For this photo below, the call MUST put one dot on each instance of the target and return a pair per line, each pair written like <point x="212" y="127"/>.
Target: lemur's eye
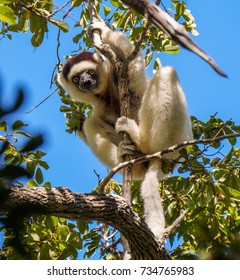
<point x="91" y="72"/>
<point x="75" y="79"/>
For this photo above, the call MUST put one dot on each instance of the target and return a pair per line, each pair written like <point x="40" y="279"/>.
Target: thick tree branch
<point x="172" y="28"/>
<point x="109" y="209"/>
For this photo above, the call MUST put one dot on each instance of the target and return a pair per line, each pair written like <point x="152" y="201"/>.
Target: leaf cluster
<point x="34" y="237"/>
<point x="207" y="185"/>
<point x="45" y="238"/>
<point x="75" y="113"/>
<point x="34" y="16"/>
<point x="16" y="154"/>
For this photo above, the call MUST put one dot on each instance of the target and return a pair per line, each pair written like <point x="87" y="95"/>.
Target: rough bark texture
<point x="112" y="210"/>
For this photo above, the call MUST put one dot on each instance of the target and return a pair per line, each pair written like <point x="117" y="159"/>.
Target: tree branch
<point x="171" y="27"/>
<point x="32" y="9"/>
<point x="161" y="153"/>
<point x="108" y="209"/>
<point x="97" y="41"/>
<point x="121" y="69"/>
<point x="139" y="43"/>
<point x="167" y="231"/>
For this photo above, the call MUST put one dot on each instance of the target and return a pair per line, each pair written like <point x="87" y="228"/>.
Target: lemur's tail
<point x="153" y="209"/>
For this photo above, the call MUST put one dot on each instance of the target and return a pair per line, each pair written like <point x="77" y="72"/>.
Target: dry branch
<point x="171" y="27"/>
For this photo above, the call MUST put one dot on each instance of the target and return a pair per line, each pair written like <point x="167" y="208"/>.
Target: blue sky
<point x="71" y="162"/>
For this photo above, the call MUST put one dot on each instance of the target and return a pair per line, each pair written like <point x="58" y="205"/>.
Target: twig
<point x="28" y="112"/>
<point x="32" y="10"/>
<point x="97" y="41"/>
<point x="169" y="230"/>
<point x="60" y="9"/>
<point x="98" y="175"/>
<point x="58" y="46"/>
<point x="139" y="43"/>
<point x="161" y="153"/>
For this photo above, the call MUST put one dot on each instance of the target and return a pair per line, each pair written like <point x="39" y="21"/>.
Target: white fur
<point x="153" y="209"/>
<point x="159" y="119"/>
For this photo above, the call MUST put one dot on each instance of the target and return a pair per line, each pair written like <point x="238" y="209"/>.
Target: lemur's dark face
<point x="85" y="77"/>
<point x="85" y="80"/>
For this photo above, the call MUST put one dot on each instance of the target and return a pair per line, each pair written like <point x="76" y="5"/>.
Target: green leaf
<point x="235" y="193"/>
<point x="117" y="3"/>
<point x="232" y="141"/>
<point x="63" y="232"/>
<point x="180" y="7"/>
<point x="3" y="126"/>
<point x="44" y="164"/>
<point x="39" y="176"/>
<point x="52" y="221"/>
<point x="83" y="227"/>
<point x="44" y="252"/>
<point x="6" y="1"/>
<point x="32" y="183"/>
<point x="38" y="36"/>
<point x="7" y="15"/>
<point x="62" y="220"/>
<point x="18" y="124"/>
<point x="215" y="161"/>
<point x="65" y="109"/>
<point x="61" y="25"/>
<point x="148" y="58"/>
<point x="157" y="64"/>
<point x="90" y="252"/>
<point x="236" y="128"/>
<point x="78" y="37"/>
<point x="62" y="246"/>
<point x="23" y="134"/>
<point x="107" y="10"/>
<point x="35" y="22"/>
<point x="76" y="3"/>
<point x="40" y="154"/>
<point x="47" y="185"/>
<point x="171" y="208"/>
<point x="205" y="160"/>
<point x="30" y="167"/>
<point x="183" y="153"/>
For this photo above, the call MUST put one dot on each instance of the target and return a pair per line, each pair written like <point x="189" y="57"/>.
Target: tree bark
<point x="112" y="210"/>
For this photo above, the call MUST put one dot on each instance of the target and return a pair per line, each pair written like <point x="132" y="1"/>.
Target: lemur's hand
<point x="97" y="25"/>
<point x="129" y="126"/>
